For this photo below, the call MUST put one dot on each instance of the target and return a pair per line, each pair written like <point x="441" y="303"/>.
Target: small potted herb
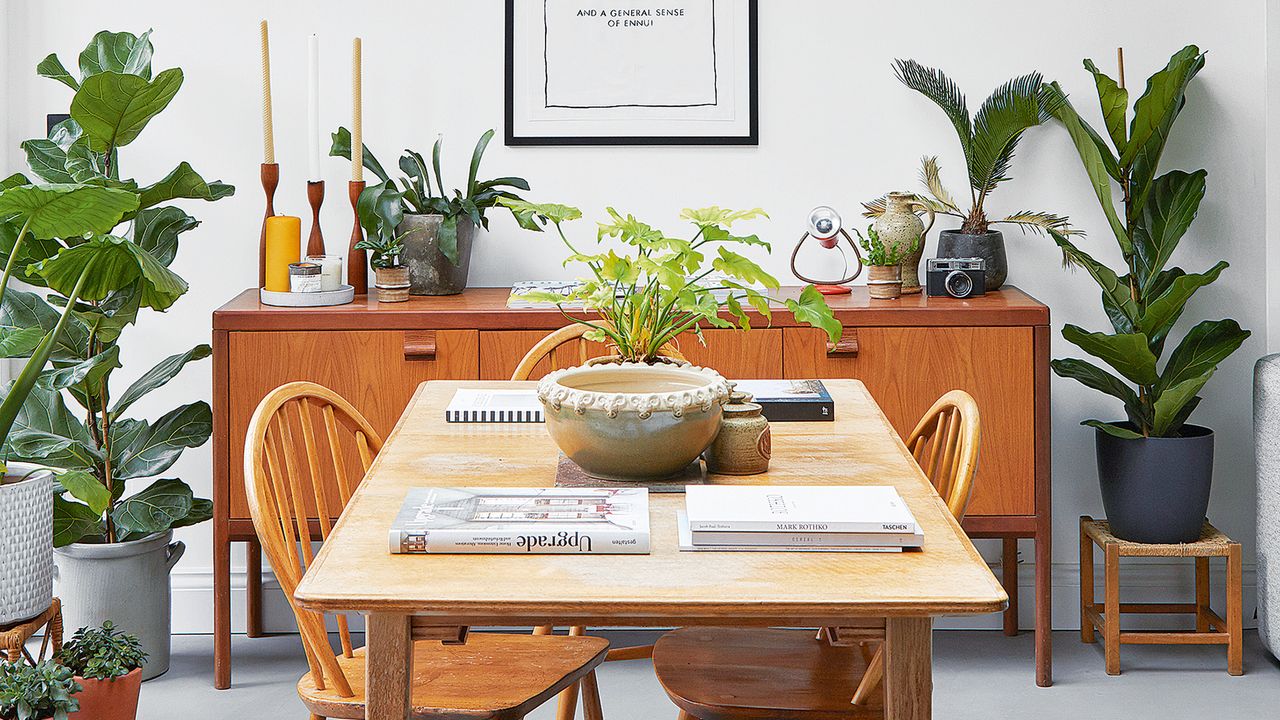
<point x="42" y="692"/>
<point x="391" y="276"/>
<point x="884" y="264"/>
<point x="108" y="664"/>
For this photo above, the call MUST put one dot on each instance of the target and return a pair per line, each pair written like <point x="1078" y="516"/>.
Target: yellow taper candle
<point x="284" y="246"/>
<point x="357" y="121"/>
<point x="268" y="133"/>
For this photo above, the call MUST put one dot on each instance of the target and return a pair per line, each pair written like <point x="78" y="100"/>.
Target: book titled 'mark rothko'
<point x="793" y="509"/>
<point x="485" y="405"/>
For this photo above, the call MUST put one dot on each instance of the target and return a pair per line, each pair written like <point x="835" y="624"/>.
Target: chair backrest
<point x="563" y="336"/>
<point x="300" y="433"/>
<point x="945" y="444"/>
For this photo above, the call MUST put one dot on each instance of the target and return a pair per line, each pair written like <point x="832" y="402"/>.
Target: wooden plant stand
<point x="1104" y="617"/>
<point x="13" y="638"/>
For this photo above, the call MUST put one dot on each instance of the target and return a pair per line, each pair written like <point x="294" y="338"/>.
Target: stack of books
<point x="819" y="518"/>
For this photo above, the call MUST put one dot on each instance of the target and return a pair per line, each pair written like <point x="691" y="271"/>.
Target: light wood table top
<point x="355" y="572"/>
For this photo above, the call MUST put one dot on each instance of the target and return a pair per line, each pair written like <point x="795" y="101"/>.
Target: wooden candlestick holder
<point x="270" y="175"/>
<point x="315" y="196"/>
<point x="357" y="261"/>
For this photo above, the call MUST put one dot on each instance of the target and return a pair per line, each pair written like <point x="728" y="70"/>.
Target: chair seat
<point x="490" y="676"/>
<point x="723" y="673"/>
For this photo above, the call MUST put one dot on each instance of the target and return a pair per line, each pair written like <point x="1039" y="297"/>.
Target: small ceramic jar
<point x="743" y="445"/>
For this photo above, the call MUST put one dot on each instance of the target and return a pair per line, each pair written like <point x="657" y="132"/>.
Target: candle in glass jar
<point x="330" y="270"/>
<point x="284" y="246"/>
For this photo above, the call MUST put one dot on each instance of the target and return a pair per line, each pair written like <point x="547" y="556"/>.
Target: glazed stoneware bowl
<point x="631" y="421"/>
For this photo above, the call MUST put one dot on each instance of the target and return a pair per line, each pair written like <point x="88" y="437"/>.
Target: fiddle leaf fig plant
<point x="1146" y="298"/>
<point x="100" y="245"/>
<point x="661" y="287"/>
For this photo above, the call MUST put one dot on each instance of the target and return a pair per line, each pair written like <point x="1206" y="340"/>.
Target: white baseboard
<point x="1161" y="580"/>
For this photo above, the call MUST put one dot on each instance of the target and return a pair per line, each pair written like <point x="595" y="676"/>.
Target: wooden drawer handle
<point x="846" y="346"/>
<point x="420" y="345"/>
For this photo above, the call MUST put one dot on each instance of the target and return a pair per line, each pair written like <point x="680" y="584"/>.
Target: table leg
<point x="253" y="588"/>
<point x="908" y="669"/>
<point x="221" y="605"/>
<point x="388" y="666"/>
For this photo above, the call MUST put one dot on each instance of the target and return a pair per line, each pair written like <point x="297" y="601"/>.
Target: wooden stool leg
<point x="1202" y="594"/>
<point x="1009" y="578"/>
<point x="55" y="627"/>
<point x="1086" y="586"/>
<point x="253" y="589"/>
<point x="568" y="708"/>
<point x="1111" y="621"/>
<point x="685" y="716"/>
<point x="591" y="709"/>
<point x="1235" y="603"/>
<point x="13" y="655"/>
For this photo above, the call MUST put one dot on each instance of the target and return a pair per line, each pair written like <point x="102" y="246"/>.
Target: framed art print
<point x="631" y="72"/>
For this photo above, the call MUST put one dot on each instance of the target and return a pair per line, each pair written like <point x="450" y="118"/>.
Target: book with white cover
<point x="523" y="520"/>
<point x="687" y="544"/>
<point x="832" y="539"/>
<point x="491" y="405"/>
<point x="798" y="508"/>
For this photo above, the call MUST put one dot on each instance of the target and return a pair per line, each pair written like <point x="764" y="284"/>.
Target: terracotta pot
<point x="900" y="226"/>
<point x="884" y="282"/>
<point x="392" y="284"/>
<point x="115" y="699"/>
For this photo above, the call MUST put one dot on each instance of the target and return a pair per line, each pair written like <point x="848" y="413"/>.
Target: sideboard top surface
<point x="486" y="309"/>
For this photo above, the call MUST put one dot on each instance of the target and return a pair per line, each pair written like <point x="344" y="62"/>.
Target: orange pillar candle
<point x="284" y="246"/>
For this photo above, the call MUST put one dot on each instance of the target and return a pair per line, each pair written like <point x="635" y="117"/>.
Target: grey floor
<point x="977" y="675"/>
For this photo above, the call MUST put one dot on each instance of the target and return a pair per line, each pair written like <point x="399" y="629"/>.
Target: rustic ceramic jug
<point x="744" y="443"/>
<point x="900" y="225"/>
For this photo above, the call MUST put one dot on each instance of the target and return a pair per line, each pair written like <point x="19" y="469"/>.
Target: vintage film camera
<point x="957" y="277"/>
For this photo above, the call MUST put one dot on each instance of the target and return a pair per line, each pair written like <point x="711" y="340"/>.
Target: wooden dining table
<point x="434" y="597"/>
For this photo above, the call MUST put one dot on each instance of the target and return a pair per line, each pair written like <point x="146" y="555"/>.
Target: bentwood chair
<point x="723" y="674"/>
<point x="304" y="439"/>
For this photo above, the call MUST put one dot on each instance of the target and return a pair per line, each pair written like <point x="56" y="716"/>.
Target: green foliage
<point x="383" y="205"/>
<point x="988" y="139"/>
<point x="1146" y="301"/>
<point x="880" y="254"/>
<point x="661" y="287"/>
<point x="102" y="653"/>
<point x="43" y="692"/>
<point x="101" y="245"/>
<point x="386" y="249"/>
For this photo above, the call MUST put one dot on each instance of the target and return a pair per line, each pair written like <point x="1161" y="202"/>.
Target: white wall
<point x="435" y="67"/>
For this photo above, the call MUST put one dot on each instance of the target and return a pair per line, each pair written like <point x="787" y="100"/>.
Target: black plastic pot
<point x="989" y="247"/>
<point x="1156" y="490"/>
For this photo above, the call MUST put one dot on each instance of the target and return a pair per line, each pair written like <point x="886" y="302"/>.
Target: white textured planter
<point x="26" y="543"/>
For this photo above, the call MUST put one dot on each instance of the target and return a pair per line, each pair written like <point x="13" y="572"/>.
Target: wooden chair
<point x="723" y="674"/>
<point x="554" y="341"/>
<point x="302" y="435"/>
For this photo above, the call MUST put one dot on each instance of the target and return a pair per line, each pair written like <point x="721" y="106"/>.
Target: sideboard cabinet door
<point x="906" y="369"/>
<point x="377" y="371"/>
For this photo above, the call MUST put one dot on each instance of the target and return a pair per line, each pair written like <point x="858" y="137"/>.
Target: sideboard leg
<point x="1044" y="607"/>
<point x="253" y="589"/>
<point x="1009" y="578"/>
<point x="221" y="605"/>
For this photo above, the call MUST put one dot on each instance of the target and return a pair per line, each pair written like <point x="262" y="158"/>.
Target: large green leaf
<point x="88" y="373"/>
<point x="47" y="160"/>
<point x="1205" y="345"/>
<point x="121" y="52"/>
<point x="201" y="511"/>
<point x="1164" y="310"/>
<point x="736" y="266"/>
<point x="156" y="230"/>
<point x="21" y="309"/>
<point x="52" y="68"/>
<point x="1169" y="405"/>
<point x="1128" y="353"/>
<point x="1113" y="429"/>
<point x="184" y="182"/>
<point x="1113" y="289"/>
<point x="935" y="85"/>
<point x="1170" y="208"/>
<point x="1095" y="377"/>
<point x="118" y="263"/>
<point x="66" y="210"/>
<point x="380" y="210"/>
<point x="154" y="509"/>
<point x="46" y="431"/>
<point x="1115" y="105"/>
<point x="155" y="450"/>
<point x="341" y="147"/>
<point x="1153" y="118"/>
<point x="19" y="342"/>
<point x="476" y="155"/>
<point x="108" y="318"/>
<point x="73" y="521"/>
<point x="113" y="108"/>
<point x="84" y="486"/>
<point x="811" y="309"/>
<point x="156" y="377"/>
<point x="1091" y="155"/>
<point x="999" y="124"/>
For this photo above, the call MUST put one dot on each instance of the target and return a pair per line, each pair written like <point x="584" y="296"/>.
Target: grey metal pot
<point x="430" y="272"/>
<point x="126" y="583"/>
<point x="26" y="542"/>
<point x="989" y="247"/>
<point x="1156" y="490"/>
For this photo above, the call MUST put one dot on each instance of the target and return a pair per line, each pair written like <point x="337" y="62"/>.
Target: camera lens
<point x="958" y="284"/>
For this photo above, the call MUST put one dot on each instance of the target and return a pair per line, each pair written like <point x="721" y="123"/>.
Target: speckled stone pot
<point x="430" y="272"/>
<point x="744" y="444"/>
<point x="901" y="226"/>
<point x="989" y="247"/>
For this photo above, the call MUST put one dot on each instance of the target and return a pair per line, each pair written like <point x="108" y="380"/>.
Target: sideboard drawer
<point x="907" y="369"/>
<point x="378" y="371"/>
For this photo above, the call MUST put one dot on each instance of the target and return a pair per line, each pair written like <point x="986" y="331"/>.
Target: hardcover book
<point x="791" y="400"/>
<point x="687" y="543"/>
<point x="523" y="520"/>
<point x="481" y="405"/>
<point x="798" y="509"/>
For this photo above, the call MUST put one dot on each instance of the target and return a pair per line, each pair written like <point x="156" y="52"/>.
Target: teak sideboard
<point x="907" y="352"/>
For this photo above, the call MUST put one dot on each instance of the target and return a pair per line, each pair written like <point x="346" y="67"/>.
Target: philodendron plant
<point x="98" y="279"/>
<point x="1146" y="298"/>
<point x="661" y="287"/>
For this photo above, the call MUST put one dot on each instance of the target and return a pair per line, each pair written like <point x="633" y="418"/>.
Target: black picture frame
<point x="751" y="138"/>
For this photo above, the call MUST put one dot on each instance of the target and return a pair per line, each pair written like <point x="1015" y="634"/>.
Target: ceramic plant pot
<point x="989" y="247"/>
<point x="884" y="282"/>
<point x="900" y="225"/>
<point x="1156" y="490"/>
<point x="631" y="421"/>
<point x="744" y="444"/>
<point x="126" y="583"/>
<point x="392" y="284"/>
<point x="114" y="699"/>
<point x="430" y="272"/>
<point x="26" y="542"/>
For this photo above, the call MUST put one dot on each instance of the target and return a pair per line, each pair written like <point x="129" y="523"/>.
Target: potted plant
<point x="884" y="263"/>
<point x="637" y="418"/>
<point x="391" y="277"/>
<point x="1155" y="469"/>
<point x="108" y="666"/>
<point x="41" y="692"/>
<point x="988" y="140"/>
<point x="114" y="548"/>
<point x="439" y="228"/>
